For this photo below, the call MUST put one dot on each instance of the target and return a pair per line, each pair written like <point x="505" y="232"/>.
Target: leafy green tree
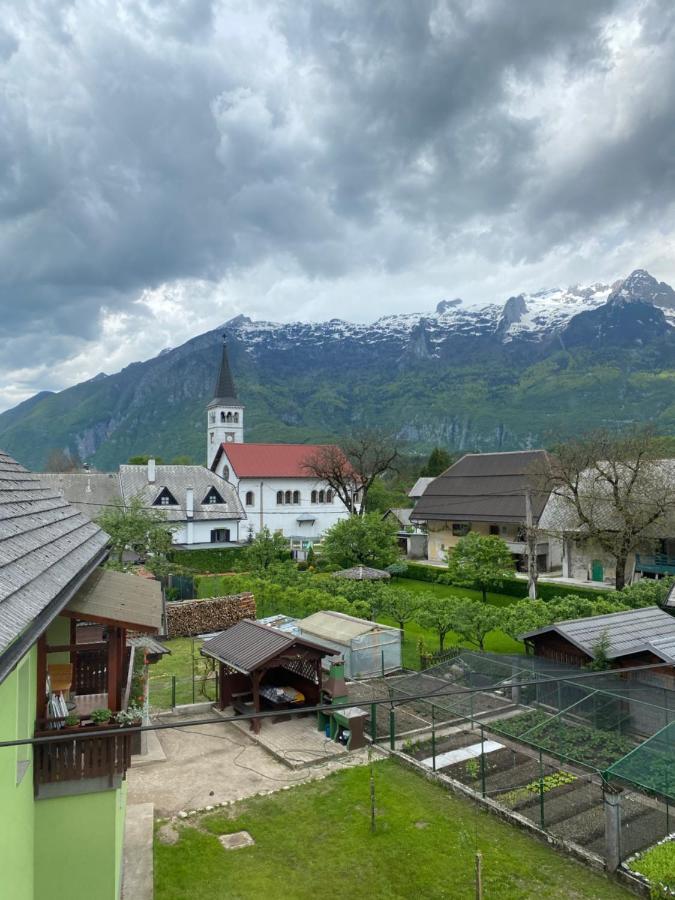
<point x="402" y="606"/>
<point x="266" y="549"/>
<point x="143" y="531"/>
<point x="480" y="561"/>
<point x="438" y="614"/>
<point x="474" y="620"/>
<point x="365" y="540"/>
<point x="142" y="459"/>
<point x="181" y="460"/>
<point x="439" y="460"/>
<point x="526" y="615"/>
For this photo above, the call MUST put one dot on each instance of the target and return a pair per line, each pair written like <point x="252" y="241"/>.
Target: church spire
<point x="225" y="392"/>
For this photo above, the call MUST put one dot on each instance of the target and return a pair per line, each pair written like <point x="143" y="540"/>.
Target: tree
<point x="526" y="615"/>
<point x="612" y="492"/>
<point x="439" y="460"/>
<point x="402" y="606"/>
<point x="266" y="549"/>
<point x="142" y="459"/>
<point x="352" y="469"/>
<point x="367" y="540"/>
<point x="182" y="460"/>
<point x="62" y="461"/>
<point x="474" y="620"/>
<point x="480" y="561"/>
<point x="143" y="531"/>
<point x="438" y="614"/>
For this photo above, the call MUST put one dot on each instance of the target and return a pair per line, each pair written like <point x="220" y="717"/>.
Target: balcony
<point x="655" y="564"/>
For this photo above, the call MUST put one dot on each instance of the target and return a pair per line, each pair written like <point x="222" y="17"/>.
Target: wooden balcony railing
<point x="78" y="757"/>
<point x="91" y="671"/>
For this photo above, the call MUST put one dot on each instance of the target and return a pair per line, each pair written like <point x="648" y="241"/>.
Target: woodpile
<point x="189" y="617"/>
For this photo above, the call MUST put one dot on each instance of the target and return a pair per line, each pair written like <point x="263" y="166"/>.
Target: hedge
<point x="222" y="559"/>
<point x="511" y="587"/>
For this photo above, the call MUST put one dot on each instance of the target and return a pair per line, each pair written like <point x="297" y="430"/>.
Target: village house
<point x="584" y="560"/>
<point x="272" y="481"/>
<point x="486" y="493"/>
<point x="410" y="536"/>
<point x="63" y="801"/>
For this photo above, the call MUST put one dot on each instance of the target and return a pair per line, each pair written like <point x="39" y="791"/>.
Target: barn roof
<point x="484" y="487"/>
<point x="47" y="550"/>
<point x="648" y="629"/>
<point x="248" y="645"/>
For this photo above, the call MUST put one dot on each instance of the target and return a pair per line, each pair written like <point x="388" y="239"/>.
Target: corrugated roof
<point x="122" y="597"/>
<point x="177" y="479"/>
<point x="46" y="547"/>
<point x="339" y="627"/>
<point x="148" y="643"/>
<point x="269" y="460"/>
<point x="248" y="645"/>
<point x="90" y="492"/>
<point x="631" y="631"/>
<point x="484" y="487"/>
<point x="401" y="513"/>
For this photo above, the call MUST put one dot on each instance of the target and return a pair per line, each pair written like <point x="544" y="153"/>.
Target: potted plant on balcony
<point x="72" y="721"/>
<point x="101" y="716"/>
<point x="133" y="715"/>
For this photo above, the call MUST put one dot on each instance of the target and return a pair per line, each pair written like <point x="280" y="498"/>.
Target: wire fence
<point x="169" y="691"/>
<point x="551" y="751"/>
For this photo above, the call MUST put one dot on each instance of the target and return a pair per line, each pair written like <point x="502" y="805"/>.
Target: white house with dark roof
<point x="204" y="508"/>
<point x="272" y="481"/>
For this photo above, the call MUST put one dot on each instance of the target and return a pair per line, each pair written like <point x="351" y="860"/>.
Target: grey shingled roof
<point x="47" y="549"/>
<point x="632" y="631"/>
<point x="248" y="645"/>
<point x="401" y="513"/>
<point x="419" y="487"/>
<point x="90" y="492"/>
<point x="225" y="392"/>
<point x="134" y="482"/>
<point x="484" y="487"/>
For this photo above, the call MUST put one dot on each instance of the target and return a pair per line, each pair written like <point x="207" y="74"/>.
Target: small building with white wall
<point x="204" y="508"/>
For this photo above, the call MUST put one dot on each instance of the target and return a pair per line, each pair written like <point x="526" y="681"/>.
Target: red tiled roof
<point x="269" y="460"/>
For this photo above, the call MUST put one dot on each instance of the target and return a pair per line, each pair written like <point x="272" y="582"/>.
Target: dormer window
<point x="213" y="497"/>
<point x="165" y="498"/>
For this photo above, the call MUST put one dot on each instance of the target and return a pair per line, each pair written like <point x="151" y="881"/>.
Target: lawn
<point x="449" y="590"/>
<point x="178" y="663"/>
<point x="315" y="839"/>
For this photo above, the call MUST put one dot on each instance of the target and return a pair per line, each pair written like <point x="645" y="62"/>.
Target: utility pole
<point x="531" y="536"/>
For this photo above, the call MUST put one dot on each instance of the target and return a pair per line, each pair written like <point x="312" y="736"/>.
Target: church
<point x="273" y="484"/>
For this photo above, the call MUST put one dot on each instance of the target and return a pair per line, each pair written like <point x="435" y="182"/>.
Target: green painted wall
<point x="78" y="846"/>
<point x="17" y="715"/>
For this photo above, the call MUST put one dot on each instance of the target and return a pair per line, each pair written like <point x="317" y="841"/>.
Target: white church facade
<point x="272" y="482"/>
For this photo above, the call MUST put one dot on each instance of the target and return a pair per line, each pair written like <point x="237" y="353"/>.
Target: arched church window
<point x="280" y="496"/>
<point x="226" y="473"/>
<point x="296" y="496"/>
<point x="236" y="417"/>
<point x="313" y="496"/>
<point x="229" y="417"/>
<point x="322" y="497"/>
<point x="329" y="496"/>
<point x="222" y="416"/>
<point x="250" y="498"/>
<point x="287" y="497"/>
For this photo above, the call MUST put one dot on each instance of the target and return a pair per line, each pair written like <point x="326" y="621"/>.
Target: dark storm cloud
<point x="158" y="140"/>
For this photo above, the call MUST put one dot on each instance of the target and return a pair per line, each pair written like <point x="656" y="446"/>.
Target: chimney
<point x="189" y="502"/>
<point x="151" y="471"/>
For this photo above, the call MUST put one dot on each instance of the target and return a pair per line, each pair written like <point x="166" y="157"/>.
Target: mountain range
<point x="497" y="376"/>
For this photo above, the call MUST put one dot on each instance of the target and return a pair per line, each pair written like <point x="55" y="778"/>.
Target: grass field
<point x="315" y="840"/>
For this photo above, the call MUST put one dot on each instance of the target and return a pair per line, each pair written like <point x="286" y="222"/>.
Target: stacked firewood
<point x="190" y="617"/>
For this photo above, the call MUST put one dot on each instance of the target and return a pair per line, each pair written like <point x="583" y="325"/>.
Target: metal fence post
<point x="392" y="729"/>
<point x="433" y="739"/>
<point x="482" y="760"/>
<point x="471" y="710"/>
<point x="373" y="722"/>
<point x="173" y="692"/>
<point x="541" y="792"/>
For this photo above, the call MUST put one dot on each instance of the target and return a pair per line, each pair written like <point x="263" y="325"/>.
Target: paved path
<point x="137" y="876"/>
<point x="208" y="764"/>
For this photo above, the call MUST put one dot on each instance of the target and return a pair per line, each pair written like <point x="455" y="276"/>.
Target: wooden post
<point x="479" y="875"/>
<point x="41" y="705"/>
<point x="114" y="673"/>
<point x="255" y="681"/>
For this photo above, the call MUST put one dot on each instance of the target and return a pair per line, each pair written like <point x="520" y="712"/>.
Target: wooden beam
<point x="102" y="620"/>
<point x="255" y="683"/>
<point x="114" y="671"/>
<point x="41" y="701"/>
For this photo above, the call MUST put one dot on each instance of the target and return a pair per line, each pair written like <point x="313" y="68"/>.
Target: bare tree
<point x="613" y="492"/>
<point x="62" y="461"/>
<point x="351" y="469"/>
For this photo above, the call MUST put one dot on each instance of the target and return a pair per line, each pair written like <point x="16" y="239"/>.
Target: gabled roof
<point x="248" y="645"/>
<point x="225" y="393"/>
<point x="268" y="460"/>
<point x="90" y="492"/>
<point x="632" y="631"/>
<point x="419" y="487"/>
<point x="400" y="513"/>
<point x="47" y="550"/>
<point x="484" y="487"/>
<point x="339" y="627"/>
<point x="177" y="479"/>
<point x="362" y="573"/>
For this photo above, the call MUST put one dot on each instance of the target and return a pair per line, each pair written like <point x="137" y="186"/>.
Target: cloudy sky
<point x="168" y="164"/>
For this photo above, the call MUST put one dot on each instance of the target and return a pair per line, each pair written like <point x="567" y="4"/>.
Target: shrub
<point x="224" y="559"/>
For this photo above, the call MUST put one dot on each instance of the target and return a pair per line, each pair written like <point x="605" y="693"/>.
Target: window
<point x="220" y="535"/>
<point x="521" y="534"/>
<point x="280" y="497"/>
<point x="226" y="473"/>
<point x="165" y="498"/>
<point x="229" y="417"/>
<point x="314" y="495"/>
<point x="460" y="529"/>
<point x="287" y="497"/>
<point x="213" y="497"/>
<point x="296" y="496"/>
<point x="211" y="437"/>
<point x="222" y="417"/>
<point x="329" y="496"/>
<point x="250" y="498"/>
<point x="322" y="497"/>
<point x="235" y="418"/>
<point x="494" y="530"/>
<point x="212" y="418"/>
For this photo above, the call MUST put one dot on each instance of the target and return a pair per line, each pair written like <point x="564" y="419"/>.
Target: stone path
<point x="137" y="875"/>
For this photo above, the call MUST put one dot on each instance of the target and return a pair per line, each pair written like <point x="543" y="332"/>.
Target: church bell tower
<point x="225" y="414"/>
